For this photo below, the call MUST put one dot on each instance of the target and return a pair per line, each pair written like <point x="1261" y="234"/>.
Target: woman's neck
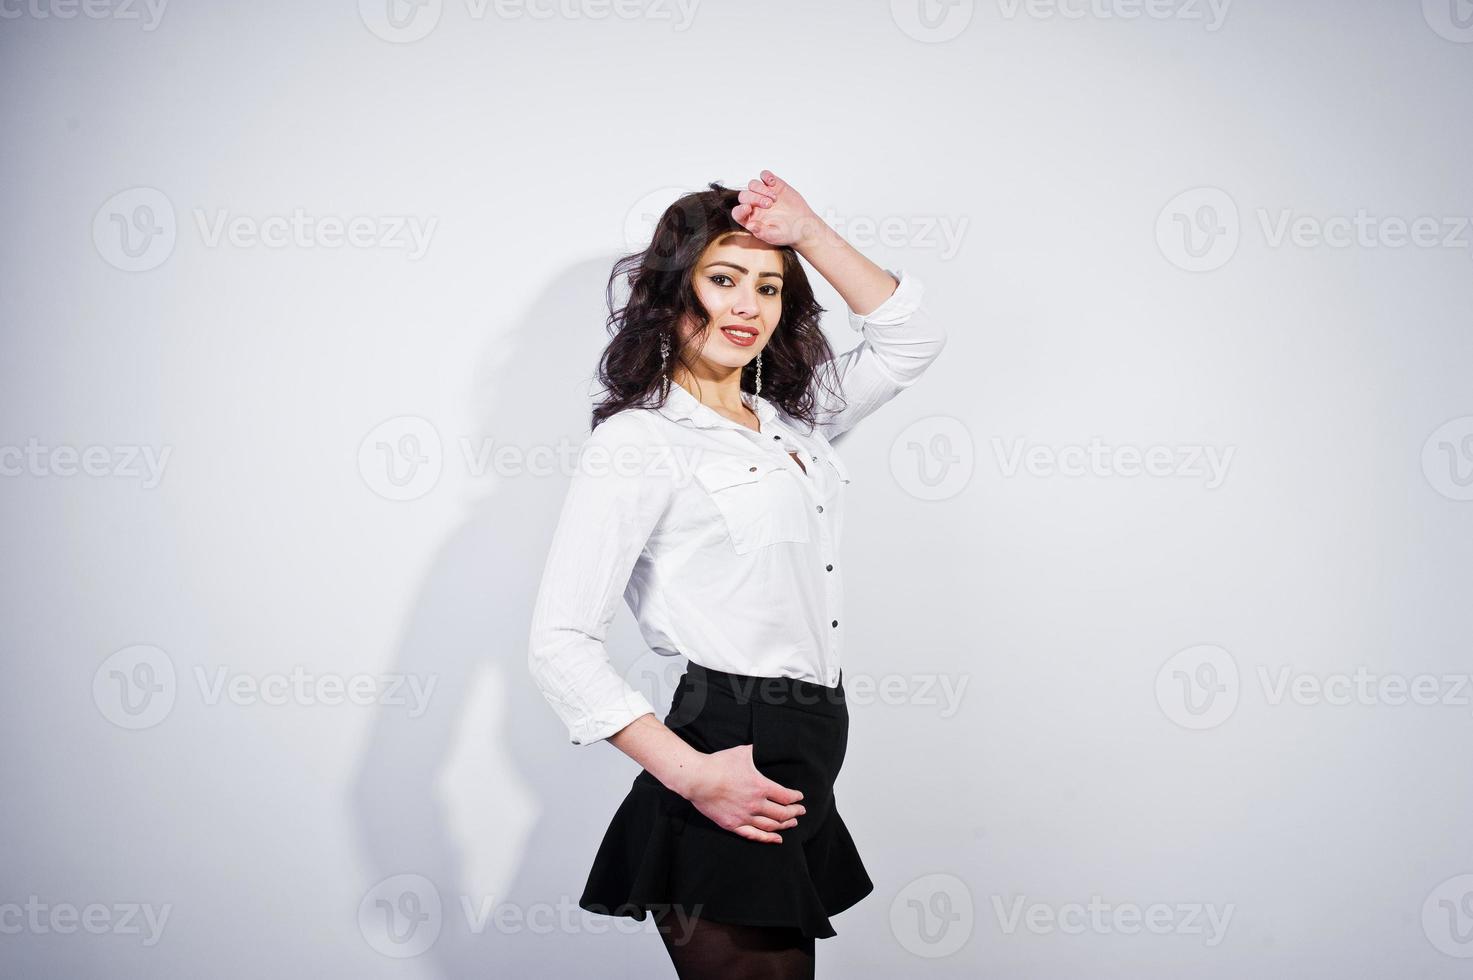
<point x="724" y="396"/>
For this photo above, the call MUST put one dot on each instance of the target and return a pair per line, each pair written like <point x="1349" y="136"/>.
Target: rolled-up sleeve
<point x="614" y="501"/>
<point x="900" y="342"/>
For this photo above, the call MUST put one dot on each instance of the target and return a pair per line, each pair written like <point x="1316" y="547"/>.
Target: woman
<point x="710" y="495"/>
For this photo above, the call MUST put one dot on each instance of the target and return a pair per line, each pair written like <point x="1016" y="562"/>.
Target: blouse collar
<point x="682" y="406"/>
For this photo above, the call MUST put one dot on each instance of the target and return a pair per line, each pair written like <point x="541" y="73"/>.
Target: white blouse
<point x="725" y="549"/>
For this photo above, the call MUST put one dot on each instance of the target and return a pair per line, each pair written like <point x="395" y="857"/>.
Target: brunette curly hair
<point x="662" y="290"/>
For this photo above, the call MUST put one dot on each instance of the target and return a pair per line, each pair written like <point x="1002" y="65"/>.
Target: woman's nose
<point x="745" y="304"/>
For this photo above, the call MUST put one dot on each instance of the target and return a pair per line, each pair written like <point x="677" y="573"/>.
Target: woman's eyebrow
<point x="742" y="269"/>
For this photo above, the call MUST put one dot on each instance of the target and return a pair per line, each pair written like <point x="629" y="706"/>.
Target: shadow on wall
<point x="472" y="615"/>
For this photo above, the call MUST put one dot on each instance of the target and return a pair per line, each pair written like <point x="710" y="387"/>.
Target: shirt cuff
<point x="898" y="307"/>
<point x="610" y="719"/>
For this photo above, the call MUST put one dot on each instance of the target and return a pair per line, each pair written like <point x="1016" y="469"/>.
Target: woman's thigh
<point x="705" y="949"/>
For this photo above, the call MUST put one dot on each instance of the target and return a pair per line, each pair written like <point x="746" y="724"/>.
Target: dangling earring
<point x="664" y="359"/>
<point x="759" y="374"/>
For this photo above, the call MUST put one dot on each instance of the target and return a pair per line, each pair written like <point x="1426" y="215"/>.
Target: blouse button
<point x="828" y="568"/>
<point x="820" y="508"/>
<point x="751" y="469"/>
<point x="777" y="437"/>
<point x="836" y="622"/>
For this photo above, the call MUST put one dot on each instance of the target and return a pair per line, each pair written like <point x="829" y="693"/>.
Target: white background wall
<point x="1093" y="193"/>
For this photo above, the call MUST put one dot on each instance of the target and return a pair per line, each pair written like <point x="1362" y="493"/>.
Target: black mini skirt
<point x="660" y="852"/>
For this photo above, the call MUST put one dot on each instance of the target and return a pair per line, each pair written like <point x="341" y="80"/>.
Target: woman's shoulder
<point x="632" y="442"/>
<point x="634" y="425"/>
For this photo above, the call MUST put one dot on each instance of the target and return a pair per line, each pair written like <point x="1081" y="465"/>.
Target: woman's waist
<point x="783" y="690"/>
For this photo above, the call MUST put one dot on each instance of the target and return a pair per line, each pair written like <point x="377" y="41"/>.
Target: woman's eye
<point x="774" y="291"/>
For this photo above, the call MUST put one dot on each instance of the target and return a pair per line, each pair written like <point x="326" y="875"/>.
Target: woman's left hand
<point x="776" y="213"/>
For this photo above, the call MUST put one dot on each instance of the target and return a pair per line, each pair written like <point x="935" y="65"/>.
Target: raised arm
<point x="900" y="342"/>
<point x="900" y="338"/>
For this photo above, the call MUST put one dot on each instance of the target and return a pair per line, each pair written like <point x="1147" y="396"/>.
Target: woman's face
<point x="739" y="281"/>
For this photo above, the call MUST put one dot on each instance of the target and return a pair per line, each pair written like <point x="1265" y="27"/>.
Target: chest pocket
<point x="759" y="500"/>
<point x="835" y="464"/>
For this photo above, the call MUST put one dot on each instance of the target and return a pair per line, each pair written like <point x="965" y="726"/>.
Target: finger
<point x="741" y="214"/>
<point x="779" y="793"/>
<point x="761" y="191"/>
<point x="752" y="833"/>
<point x="756" y="197"/>
<point x="766" y="823"/>
<point x="773" y="181"/>
<point x="776" y="811"/>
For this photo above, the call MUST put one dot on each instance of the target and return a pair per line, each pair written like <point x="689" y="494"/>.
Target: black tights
<point x="703" y="949"/>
